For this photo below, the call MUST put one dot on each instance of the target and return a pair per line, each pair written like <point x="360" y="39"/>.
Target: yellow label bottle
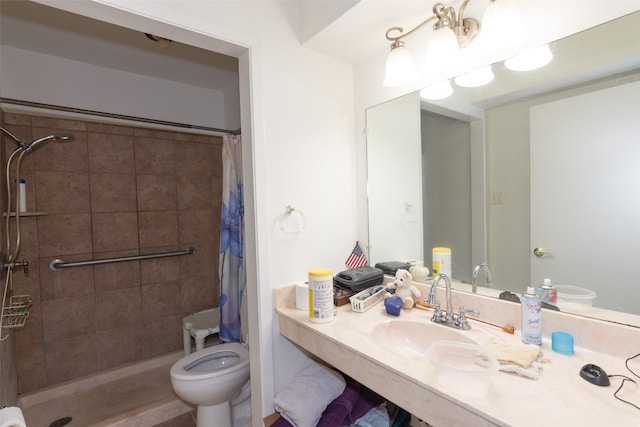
<point x="321" y="295"/>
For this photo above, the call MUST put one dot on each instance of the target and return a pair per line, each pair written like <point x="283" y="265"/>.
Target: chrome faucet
<point x="487" y="276"/>
<point x="432" y="297"/>
<point x="449" y="318"/>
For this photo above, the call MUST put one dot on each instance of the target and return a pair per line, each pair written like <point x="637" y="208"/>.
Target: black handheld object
<point x="594" y="374"/>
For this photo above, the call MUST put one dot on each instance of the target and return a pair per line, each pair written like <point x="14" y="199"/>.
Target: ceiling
<point x="39" y="28"/>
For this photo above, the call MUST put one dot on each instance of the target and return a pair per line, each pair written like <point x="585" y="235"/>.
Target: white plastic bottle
<point x="531" y="317"/>
<point x="22" y="189"/>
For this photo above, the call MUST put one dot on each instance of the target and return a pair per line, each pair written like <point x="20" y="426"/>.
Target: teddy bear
<point x="403" y="289"/>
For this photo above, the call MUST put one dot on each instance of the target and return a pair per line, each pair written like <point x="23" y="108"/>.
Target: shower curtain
<point x="232" y="269"/>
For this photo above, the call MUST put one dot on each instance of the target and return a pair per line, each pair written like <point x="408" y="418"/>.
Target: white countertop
<point x="560" y="397"/>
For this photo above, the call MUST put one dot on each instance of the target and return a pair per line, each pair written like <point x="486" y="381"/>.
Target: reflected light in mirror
<point x="400" y="69"/>
<point x="502" y="24"/>
<point x="475" y="78"/>
<point x="442" y="49"/>
<point x="531" y="59"/>
<point x="437" y="91"/>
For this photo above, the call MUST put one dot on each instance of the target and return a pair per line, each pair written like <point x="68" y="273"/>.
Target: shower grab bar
<point x="58" y="264"/>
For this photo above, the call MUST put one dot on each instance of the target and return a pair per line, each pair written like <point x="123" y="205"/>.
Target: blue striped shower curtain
<point x="232" y="269"/>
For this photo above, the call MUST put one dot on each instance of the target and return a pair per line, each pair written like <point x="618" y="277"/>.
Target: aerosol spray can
<point x="531" y="317"/>
<point x="548" y="292"/>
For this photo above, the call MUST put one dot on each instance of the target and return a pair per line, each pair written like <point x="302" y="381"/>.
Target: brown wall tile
<point x="70" y="358"/>
<point x="111" y="192"/>
<point x="109" y="153"/>
<point x="117" y="308"/>
<point x="158" y="228"/>
<point x="155" y="156"/>
<point x="194" y="192"/>
<point x="194" y="159"/>
<point x="62" y="192"/>
<point x="118" y="346"/>
<point x="62" y="234"/>
<point x="160" y="300"/>
<point x="156" y="192"/>
<point x="68" y="317"/>
<point x="162" y="336"/>
<point x="114" y="231"/>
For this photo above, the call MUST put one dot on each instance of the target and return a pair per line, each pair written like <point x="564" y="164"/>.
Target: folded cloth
<point x="519" y="354"/>
<point x="354" y="402"/>
<point x="305" y="398"/>
<point x="523" y="359"/>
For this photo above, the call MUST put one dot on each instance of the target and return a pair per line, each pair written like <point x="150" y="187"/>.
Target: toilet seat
<point x="215" y="361"/>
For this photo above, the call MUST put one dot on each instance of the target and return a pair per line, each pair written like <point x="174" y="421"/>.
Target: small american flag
<point x="357" y="258"/>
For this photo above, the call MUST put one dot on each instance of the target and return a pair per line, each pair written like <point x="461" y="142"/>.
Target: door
<point x="585" y="194"/>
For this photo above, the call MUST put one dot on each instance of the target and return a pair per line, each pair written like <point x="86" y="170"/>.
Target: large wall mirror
<point x="544" y="159"/>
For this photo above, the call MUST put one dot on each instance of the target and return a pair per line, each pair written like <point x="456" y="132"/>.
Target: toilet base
<point x="215" y="415"/>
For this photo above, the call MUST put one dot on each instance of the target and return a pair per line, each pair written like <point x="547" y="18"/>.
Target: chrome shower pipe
<point x="13" y="137"/>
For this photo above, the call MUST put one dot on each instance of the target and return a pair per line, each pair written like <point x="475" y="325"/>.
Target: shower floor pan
<point x="139" y="394"/>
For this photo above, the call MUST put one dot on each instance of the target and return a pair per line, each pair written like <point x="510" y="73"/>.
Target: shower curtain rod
<point x="114" y="116"/>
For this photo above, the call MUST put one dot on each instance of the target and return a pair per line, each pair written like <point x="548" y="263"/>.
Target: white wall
<point x="297" y="118"/>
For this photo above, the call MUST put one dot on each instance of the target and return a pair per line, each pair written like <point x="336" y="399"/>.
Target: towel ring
<point x="292" y="220"/>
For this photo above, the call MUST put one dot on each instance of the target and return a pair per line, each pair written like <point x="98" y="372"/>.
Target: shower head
<point x="63" y="136"/>
<point x="12" y="136"/>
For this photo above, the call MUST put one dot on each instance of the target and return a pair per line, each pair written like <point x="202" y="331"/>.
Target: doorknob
<point x="540" y="252"/>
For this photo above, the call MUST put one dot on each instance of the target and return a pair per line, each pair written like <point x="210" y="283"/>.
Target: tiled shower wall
<point x="113" y="191"/>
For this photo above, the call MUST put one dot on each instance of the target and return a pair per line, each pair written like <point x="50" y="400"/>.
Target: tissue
<point x="11" y="416"/>
<point x="302" y="295"/>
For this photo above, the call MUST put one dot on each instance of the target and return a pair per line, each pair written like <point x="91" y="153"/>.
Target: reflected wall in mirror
<point x="505" y="119"/>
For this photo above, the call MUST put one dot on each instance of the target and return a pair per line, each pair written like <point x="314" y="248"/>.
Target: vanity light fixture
<point x="531" y="59"/>
<point x="451" y="32"/>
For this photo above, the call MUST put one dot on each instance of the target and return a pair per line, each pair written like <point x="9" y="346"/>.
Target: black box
<point x="358" y="279"/>
<point x="390" y="267"/>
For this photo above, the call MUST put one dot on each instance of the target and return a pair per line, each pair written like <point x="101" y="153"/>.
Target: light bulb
<point x="400" y="69"/>
<point x="442" y="49"/>
<point x="502" y="24"/>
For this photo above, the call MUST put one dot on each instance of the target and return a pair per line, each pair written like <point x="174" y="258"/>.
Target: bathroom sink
<point x="412" y="339"/>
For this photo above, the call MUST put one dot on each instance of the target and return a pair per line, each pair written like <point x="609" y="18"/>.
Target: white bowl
<point x="463" y="368"/>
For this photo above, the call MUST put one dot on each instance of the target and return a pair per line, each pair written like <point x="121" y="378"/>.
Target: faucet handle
<point x="437" y="313"/>
<point x="462" y="321"/>
<point x="469" y="310"/>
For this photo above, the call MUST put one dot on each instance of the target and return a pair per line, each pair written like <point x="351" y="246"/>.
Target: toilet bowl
<point x="210" y="379"/>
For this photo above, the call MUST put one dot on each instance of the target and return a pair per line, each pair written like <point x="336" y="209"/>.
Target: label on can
<point x="531" y="319"/>
<point x="321" y="295"/>
<point x="442" y="261"/>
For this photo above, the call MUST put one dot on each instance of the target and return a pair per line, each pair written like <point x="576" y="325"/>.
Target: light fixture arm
<point x="466" y="29"/>
<point x="400" y="29"/>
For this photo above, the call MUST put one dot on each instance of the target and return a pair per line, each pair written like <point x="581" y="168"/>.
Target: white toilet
<point x="209" y="379"/>
<point x="216" y="380"/>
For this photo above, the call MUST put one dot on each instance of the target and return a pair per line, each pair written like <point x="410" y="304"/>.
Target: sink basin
<point x="412" y="339"/>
